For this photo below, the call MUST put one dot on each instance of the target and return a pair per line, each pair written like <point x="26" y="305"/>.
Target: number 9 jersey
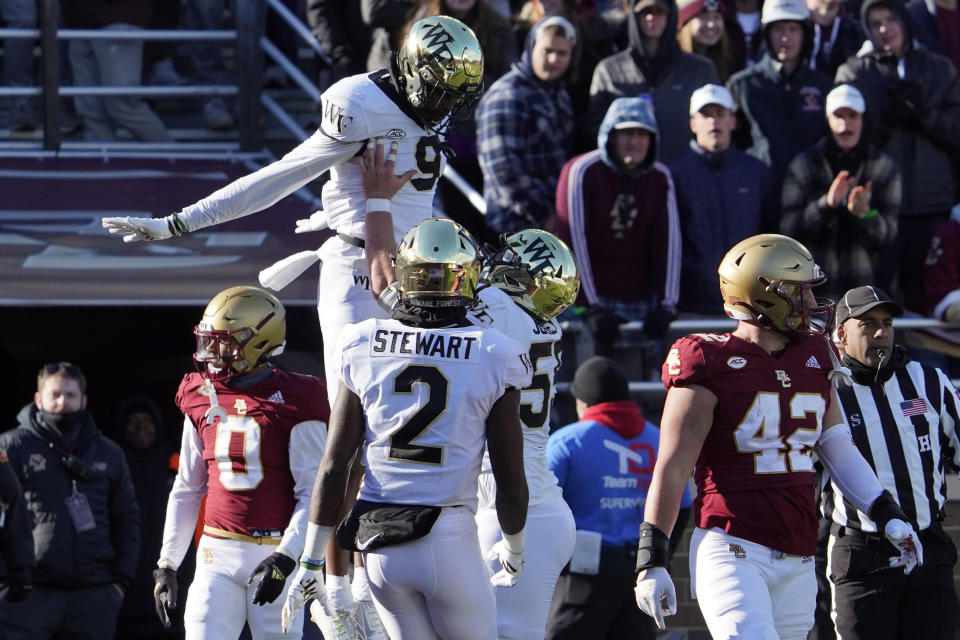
<point x="754" y="476"/>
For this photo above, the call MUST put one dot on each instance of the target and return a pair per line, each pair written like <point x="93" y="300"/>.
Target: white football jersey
<point x="354" y="110"/>
<point x="426" y="395"/>
<point x="542" y="342"/>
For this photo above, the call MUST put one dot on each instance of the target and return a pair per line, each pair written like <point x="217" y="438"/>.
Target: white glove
<point x="904" y="538"/>
<point x="316" y="222"/>
<point x="512" y="562"/>
<point x="138" y="228"/>
<point x="307" y="584"/>
<point x="653" y="585"/>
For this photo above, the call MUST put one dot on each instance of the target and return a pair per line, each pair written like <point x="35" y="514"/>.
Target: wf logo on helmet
<point x="437" y="38"/>
<point x="539" y="253"/>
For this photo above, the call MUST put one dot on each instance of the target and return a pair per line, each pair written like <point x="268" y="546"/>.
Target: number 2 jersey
<point x="542" y="340"/>
<point x="256" y="467"/>
<point x="755" y="475"/>
<point x="426" y="395"/>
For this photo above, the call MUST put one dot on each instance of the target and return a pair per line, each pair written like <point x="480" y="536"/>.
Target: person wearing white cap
<point x="913" y="100"/>
<point x="780" y="98"/>
<point x="652" y="64"/>
<point x="723" y="196"/>
<point x="842" y="198"/>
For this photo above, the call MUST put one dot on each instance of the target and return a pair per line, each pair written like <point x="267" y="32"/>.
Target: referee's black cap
<point x="859" y="300"/>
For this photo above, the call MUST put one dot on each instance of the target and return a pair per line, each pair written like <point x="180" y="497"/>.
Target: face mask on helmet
<point x="769" y="279"/>
<point x="537" y="270"/>
<point x="440" y="69"/>
<point x="437" y="264"/>
<point x="241" y="328"/>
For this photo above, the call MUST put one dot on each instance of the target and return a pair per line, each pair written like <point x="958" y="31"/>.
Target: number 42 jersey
<point x="755" y="475"/>
<point x="426" y="395"/>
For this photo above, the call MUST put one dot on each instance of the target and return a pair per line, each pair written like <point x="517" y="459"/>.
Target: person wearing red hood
<point x="604" y="464"/>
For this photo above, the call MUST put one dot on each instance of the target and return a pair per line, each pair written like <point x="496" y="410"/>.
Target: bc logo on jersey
<point x="783" y="378"/>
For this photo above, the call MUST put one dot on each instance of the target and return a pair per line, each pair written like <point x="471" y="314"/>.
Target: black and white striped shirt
<point x="906" y="429"/>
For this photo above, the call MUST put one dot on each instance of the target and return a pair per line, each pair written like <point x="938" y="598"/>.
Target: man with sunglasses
<point x="84" y="512"/>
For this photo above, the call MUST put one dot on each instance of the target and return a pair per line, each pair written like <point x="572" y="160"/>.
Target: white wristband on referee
<point x="378" y="204"/>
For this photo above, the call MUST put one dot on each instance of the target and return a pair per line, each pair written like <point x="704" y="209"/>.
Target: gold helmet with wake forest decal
<point x="438" y="265"/>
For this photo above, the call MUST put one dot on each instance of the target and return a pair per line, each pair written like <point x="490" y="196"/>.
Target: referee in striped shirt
<point x="903" y="417"/>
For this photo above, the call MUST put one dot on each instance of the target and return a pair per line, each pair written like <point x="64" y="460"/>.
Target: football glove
<point x="511" y="561"/>
<point x="653" y="587"/>
<point x="905" y="539"/>
<point x="137" y="229"/>
<point x="164" y="593"/>
<point x="307" y="584"/>
<point x="316" y="222"/>
<point x="272" y="575"/>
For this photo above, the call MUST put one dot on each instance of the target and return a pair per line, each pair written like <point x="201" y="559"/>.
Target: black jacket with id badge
<point x="81" y="503"/>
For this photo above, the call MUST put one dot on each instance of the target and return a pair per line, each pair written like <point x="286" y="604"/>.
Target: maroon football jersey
<point x="250" y="487"/>
<point x="755" y="476"/>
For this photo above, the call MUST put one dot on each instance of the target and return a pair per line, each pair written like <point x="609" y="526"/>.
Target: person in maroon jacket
<point x="617" y="209"/>
<point x="748" y="409"/>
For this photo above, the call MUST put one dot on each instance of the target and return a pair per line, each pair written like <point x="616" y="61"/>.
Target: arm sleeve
<point x="264" y="187"/>
<point x="183" y="507"/>
<point x="668" y="270"/>
<point x="878" y="232"/>
<point x="805" y="213"/>
<point x="942" y="122"/>
<point x="949" y="417"/>
<point x="124" y="525"/>
<point x="561" y="221"/>
<point x="307" y="441"/>
<point x="16" y="537"/>
<point x="850" y="472"/>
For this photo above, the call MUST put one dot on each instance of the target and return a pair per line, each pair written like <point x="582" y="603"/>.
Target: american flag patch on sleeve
<point x="915" y="407"/>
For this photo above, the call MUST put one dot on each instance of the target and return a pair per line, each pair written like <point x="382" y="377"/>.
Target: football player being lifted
<point x="534" y="278"/>
<point x="427" y="391"/>
<point x="434" y="78"/>
<point x="253" y="436"/>
<point x="748" y="409"/>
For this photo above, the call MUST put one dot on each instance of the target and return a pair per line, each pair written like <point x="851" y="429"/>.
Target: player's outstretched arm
<point x="380" y="184"/>
<point x="344" y="437"/>
<point x="505" y="443"/>
<point x="687" y="417"/>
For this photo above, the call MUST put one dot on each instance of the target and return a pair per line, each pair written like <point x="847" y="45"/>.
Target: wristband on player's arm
<point x="652" y="550"/>
<point x="315" y="546"/>
<point x="884" y="509"/>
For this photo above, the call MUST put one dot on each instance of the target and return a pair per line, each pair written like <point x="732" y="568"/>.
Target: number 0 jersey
<point x="250" y="484"/>
<point x="426" y="395"/>
<point x="755" y="475"/>
<point x="542" y="341"/>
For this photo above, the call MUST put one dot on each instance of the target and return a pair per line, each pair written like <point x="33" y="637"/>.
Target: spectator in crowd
<point x="903" y="416"/>
<point x="206" y="59"/>
<point x="937" y="24"/>
<point x="339" y="27"/>
<point x="654" y="64"/>
<point x="386" y="19"/>
<point x="98" y="62"/>
<point x="913" y="97"/>
<point x="85" y="519"/>
<point x="836" y="36"/>
<point x="617" y="208"/>
<point x="499" y="53"/>
<point x="723" y="196"/>
<point x="780" y="99"/>
<point x="702" y="25"/>
<point x="841" y="197"/>
<point x="747" y="14"/>
<point x="942" y="270"/>
<point x="603" y="464"/>
<point x="138" y="426"/>
<point x="525" y="129"/>
<point x="16" y="539"/>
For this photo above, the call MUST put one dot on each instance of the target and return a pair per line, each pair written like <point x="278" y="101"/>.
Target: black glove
<point x="657" y="321"/>
<point x="18" y="588"/>
<point x="605" y="326"/>
<point x="164" y="593"/>
<point x="907" y="103"/>
<point x="272" y="572"/>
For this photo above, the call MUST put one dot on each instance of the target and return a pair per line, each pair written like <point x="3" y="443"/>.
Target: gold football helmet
<point x="438" y="265"/>
<point x="241" y="328"/>
<point x="768" y="279"/>
<point x="537" y="270"/>
<point x="440" y="68"/>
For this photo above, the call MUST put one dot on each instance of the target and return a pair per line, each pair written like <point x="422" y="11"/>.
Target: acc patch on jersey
<point x="736" y="362"/>
<point x="396" y="134"/>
